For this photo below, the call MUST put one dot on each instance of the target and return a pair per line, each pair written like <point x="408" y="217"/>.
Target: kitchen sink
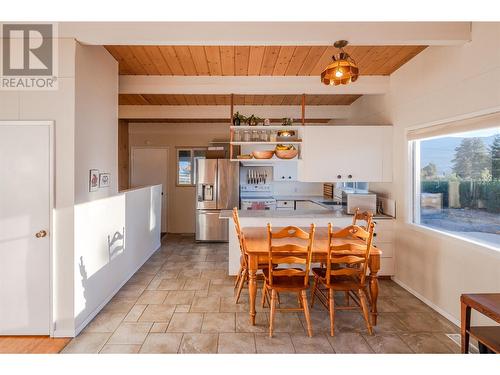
<point x="329" y="203"/>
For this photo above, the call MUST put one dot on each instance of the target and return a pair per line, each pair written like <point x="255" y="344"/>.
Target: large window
<point x="186" y="164"/>
<point x="457" y="184"/>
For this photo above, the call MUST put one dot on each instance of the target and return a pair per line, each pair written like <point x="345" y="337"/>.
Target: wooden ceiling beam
<point x="267" y="33"/>
<point x="248" y="85"/>
<point x="221" y="111"/>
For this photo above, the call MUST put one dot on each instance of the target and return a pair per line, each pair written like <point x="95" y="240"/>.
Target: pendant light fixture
<point x="342" y="70"/>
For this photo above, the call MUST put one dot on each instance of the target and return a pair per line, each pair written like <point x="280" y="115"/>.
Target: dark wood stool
<point x="487" y="304"/>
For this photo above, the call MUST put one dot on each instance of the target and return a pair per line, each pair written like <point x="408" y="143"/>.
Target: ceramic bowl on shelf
<point x="245" y="156"/>
<point x="286" y="154"/>
<point x="267" y="154"/>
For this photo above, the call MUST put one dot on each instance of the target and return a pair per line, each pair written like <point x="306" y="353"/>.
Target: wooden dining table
<point x="257" y="251"/>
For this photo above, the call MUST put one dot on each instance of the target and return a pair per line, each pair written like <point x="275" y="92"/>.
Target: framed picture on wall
<point x="93" y="180"/>
<point x="104" y="180"/>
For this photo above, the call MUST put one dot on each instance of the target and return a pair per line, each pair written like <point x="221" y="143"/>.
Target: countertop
<point x="329" y="211"/>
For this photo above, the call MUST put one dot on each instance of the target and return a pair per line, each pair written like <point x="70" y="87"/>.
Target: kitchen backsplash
<point x="297" y="188"/>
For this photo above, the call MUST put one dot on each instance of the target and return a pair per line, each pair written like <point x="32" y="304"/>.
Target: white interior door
<point x="25" y="205"/>
<point x="150" y="167"/>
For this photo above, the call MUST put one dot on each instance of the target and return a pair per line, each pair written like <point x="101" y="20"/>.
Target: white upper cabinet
<point x="285" y="171"/>
<point x="346" y="153"/>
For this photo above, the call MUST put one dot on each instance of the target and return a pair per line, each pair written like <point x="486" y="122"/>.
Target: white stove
<point x="257" y="197"/>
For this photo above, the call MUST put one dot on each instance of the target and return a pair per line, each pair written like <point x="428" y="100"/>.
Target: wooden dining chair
<point x="290" y="247"/>
<point x="365" y="216"/>
<point x="242" y="276"/>
<point x="345" y="271"/>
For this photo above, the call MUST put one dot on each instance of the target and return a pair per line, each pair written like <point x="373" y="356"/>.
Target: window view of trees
<point x="459" y="184"/>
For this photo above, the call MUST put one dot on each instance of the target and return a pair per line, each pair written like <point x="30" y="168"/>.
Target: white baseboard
<point x="107" y="299"/>
<point x="63" y="333"/>
<point x="433" y="306"/>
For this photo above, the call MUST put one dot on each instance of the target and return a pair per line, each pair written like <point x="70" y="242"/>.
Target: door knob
<point x="41" y="234"/>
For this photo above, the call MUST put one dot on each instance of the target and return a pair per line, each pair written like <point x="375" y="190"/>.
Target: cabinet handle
<point x="339" y="176"/>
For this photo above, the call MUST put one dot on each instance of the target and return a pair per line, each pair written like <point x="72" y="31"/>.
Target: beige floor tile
<point x="201" y="293"/>
<point x="135" y="313"/>
<point x="180" y="297"/>
<point x="159" y="328"/>
<point x="279" y="343"/>
<point x="213" y="274"/>
<point x="236" y="343"/>
<point x="87" y="342"/>
<point x="428" y="343"/>
<point x="228" y="280"/>
<point x="182" y="308"/>
<point x="130" y="291"/>
<point x="199" y="343"/>
<point x="288" y="322"/>
<point x="227" y="305"/>
<point x="318" y="344"/>
<point x="426" y="322"/>
<point x="219" y="322"/>
<point x="119" y="305"/>
<point x="222" y="291"/>
<point x="152" y="297"/>
<point x="162" y="343"/>
<point x="171" y="284"/>
<point x="388" y="323"/>
<point x="157" y="313"/>
<point x="130" y="333"/>
<point x="205" y="304"/>
<point x="197" y="284"/>
<point x="389" y="343"/>
<point x="105" y="322"/>
<point x="243" y="322"/>
<point x="349" y="343"/>
<point x="185" y="322"/>
<point x="120" y="349"/>
<point x="168" y="274"/>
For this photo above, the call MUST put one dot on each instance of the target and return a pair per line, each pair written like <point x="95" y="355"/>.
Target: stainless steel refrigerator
<point x="217" y="188"/>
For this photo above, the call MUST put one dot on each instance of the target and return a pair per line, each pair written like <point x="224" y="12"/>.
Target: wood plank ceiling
<point x="254" y="60"/>
<point x="163" y="99"/>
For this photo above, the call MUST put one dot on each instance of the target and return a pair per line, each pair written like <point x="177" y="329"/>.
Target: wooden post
<point x="303" y="102"/>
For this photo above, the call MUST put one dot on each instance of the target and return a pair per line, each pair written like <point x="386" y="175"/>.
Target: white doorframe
<point x="131" y="148"/>
<point x="50" y="125"/>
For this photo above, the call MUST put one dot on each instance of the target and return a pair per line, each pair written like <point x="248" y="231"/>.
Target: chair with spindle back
<point x="242" y="276"/>
<point x="345" y="271"/>
<point x="290" y="247"/>
<point x="365" y="216"/>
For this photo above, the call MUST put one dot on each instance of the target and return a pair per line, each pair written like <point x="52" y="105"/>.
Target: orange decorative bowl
<point x="268" y="154"/>
<point x="286" y="154"/>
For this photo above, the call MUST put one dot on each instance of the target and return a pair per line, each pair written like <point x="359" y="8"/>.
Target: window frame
<point x="413" y="188"/>
<point x="192" y="160"/>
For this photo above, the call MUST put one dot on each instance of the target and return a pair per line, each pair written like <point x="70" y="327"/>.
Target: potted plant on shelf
<point x="253" y="120"/>
<point x="238" y="119"/>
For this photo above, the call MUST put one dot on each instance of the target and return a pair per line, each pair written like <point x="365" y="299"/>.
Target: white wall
<point x="439" y="83"/>
<point x="100" y="268"/>
<point x="181" y="199"/>
<point x="96" y="120"/>
<point x="59" y="106"/>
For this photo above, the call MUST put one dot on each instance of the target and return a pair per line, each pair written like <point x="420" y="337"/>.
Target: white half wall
<point x="114" y="236"/>
<point x="439" y="84"/>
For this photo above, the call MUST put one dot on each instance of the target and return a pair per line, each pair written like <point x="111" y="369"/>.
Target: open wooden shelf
<point x="265" y="143"/>
<point x="270" y="127"/>
<point x="263" y="161"/>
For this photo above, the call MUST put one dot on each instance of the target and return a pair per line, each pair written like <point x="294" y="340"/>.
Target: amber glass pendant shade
<point x="342" y="70"/>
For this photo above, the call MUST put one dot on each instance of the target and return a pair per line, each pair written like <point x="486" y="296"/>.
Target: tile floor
<point x="181" y="301"/>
